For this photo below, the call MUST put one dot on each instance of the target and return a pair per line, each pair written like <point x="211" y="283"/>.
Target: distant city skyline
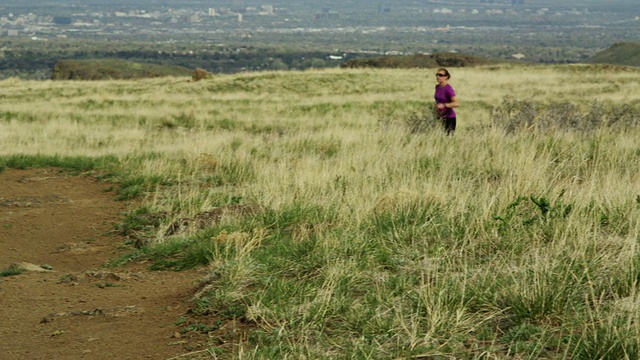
<point x="542" y="31"/>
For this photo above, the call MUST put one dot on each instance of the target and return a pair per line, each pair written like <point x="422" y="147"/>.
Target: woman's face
<point x="441" y="77"/>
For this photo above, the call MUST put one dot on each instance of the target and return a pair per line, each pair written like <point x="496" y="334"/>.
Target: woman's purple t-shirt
<point x="443" y="95"/>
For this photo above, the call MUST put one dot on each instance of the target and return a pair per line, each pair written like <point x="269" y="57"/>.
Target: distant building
<point x="212" y="12"/>
<point x="267" y="9"/>
<point x="191" y="19"/>
<point x="443" y="11"/>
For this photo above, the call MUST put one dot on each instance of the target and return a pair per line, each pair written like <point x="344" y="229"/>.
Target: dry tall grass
<point x="376" y="242"/>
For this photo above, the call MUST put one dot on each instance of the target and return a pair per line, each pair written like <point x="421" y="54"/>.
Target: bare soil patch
<point x="75" y="308"/>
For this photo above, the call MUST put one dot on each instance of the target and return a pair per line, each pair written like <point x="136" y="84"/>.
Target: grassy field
<point x="338" y="221"/>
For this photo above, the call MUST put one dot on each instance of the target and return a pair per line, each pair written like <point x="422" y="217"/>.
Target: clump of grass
<point x="528" y="341"/>
<point x="140" y="221"/>
<point x="77" y="164"/>
<point x="12" y="270"/>
<point x="132" y="186"/>
<point x="325" y="148"/>
<point x="611" y="337"/>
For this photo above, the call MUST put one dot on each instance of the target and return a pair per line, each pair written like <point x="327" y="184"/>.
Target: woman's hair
<point x="446" y="72"/>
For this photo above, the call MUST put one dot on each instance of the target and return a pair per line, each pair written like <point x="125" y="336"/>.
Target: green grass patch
<point x="76" y="164"/>
<point x="11" y="271"/>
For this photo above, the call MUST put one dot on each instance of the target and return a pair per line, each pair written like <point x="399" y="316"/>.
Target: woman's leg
<point x="450" y="125"/>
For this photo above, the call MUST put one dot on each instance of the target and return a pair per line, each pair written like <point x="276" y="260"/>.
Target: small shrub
<point x="526" y="211"/>
<point x="517" y="115"/>
<point x="201" y="74"/>
<point x="423" y="122"/>
<point x="416" y="118"/>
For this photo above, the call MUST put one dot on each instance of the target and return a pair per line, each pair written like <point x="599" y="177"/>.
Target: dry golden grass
<point x="484" y="244"/>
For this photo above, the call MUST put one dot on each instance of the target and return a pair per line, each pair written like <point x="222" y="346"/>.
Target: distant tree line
<point x="38" y="64"/>
<point x="29" y="59"/>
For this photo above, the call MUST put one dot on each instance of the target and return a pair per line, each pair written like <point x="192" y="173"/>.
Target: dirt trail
<point x="80" y="310"/>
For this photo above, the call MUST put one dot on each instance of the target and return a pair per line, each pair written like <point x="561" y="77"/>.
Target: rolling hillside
<point x="624" y="53"/>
